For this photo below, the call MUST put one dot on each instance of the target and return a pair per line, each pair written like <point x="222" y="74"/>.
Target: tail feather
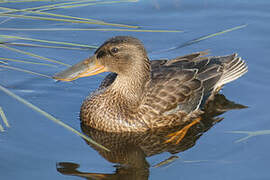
<point x="233" y="68"/>
<point x="236" y="72"/>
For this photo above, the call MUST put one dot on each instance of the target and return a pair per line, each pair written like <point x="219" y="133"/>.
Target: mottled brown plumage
<point x="140" y="95"/>
<point x="129" y="149"/>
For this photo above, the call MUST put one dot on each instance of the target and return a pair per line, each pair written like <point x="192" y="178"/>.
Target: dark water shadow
<point x="129" y="150"/>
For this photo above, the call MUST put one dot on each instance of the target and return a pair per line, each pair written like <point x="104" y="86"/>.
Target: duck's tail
<point x="233" y="68"/>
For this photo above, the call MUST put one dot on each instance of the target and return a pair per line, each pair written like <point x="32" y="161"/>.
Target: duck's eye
<point x="114" y="50"/>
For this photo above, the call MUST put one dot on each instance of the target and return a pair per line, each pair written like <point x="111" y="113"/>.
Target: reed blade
<point x="201" y="39"/>
<point x="27" y="62"/>
<point x="21" y="1"/>
<point x="166" y="161"/>
<point x="24" y="70"/>
<point x="33" y="55"/>
<point x="48" y="41"/>
<point x="49" y="116"/>
<point x="1" y="128"/>
<point x="212" y="35"/>
<point x="10" y="10"/>
<point x="66" y="20"/>
<point x="51" y="5"/>
<point x="89" y="4"/>
<point x="249" y="134"/>
<point x="92" y="29"/>
<point x="44" y="46"/>
<point x="4" y="118"/>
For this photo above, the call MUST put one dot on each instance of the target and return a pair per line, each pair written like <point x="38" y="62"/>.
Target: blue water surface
<point x="33" y="145"/>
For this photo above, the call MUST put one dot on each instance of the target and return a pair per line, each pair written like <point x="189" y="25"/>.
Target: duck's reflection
<point x="129" y="150"/>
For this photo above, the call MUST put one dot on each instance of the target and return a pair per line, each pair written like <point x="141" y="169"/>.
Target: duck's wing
<point x="174" y="85"/>
<point x="184" y="83"/>
<point x="178" y="60"/>
<point x="173" y="89"/>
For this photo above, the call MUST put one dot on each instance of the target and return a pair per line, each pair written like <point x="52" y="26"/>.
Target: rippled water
<point x="33" y="145"/>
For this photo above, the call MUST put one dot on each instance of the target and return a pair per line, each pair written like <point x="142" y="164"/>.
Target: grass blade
<point x="27" y="62"/>
<point x="10" y="10"/>
<point x="53" y="5"/>
<point x="4" y="118"/>
<point x="89" y="29"/>
<point x="3" y="62"/>
<point x="249" y="134"/>
<point x="70" y="5"/>
<point x="33" y="55"/>
<point x="24" y="70"/>
<point x="49" y="116"/>
<point x="166" y="161"/>
<point x="21" y="1"/>
<point x="213" y="35"/>
<point x="64" y="5"/>
<point x="44" y="46"/>
<point x="89" y="4"/>
<point x="1" y="128"/>
<point x="202" y="38"/>
<point x="67" y="20"/>
<point x="47" y="41"/>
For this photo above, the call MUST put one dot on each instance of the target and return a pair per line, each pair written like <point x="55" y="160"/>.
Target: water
<point x="33" y="145"/>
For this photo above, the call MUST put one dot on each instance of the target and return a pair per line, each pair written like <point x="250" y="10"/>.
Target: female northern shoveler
<point x="140" y="95"/>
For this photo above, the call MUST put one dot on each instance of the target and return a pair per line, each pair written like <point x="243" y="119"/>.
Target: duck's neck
<point x="131" y="86"/>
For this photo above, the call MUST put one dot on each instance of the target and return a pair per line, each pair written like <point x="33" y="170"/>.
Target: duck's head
<point x="120" y="54"/>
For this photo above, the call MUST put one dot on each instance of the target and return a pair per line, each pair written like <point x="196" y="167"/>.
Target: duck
<point x="130" y="150"/>
<point x="139" y="95"/>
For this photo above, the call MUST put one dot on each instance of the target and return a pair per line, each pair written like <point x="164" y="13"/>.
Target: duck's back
<point x="185" y="83"/>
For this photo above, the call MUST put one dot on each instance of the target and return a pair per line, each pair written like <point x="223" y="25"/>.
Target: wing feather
<point x="173" y="89"/>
